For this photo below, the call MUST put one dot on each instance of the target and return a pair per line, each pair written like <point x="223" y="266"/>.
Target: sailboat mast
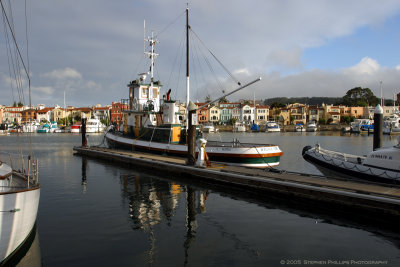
<point x="187" y="62"/>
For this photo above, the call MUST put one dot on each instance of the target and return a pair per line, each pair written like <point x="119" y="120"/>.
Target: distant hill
<point x="304" y="100"/>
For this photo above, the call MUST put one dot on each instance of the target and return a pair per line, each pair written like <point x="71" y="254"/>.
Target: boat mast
<point x="187" y="65"/>
<point x="152" y="55"/>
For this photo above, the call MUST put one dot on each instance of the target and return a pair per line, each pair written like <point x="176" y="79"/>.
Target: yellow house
<point x="356" y="112"/>
<point x="81" y="112"/>
<point x="262" y="114"/>
<point x="214" y="114"/>
<point x="331" y="112"/>
<point x="298" y="111"/>
<point x="284" y="116"/>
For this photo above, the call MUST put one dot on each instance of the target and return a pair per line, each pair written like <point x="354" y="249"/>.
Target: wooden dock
<point x="358" y="197"/>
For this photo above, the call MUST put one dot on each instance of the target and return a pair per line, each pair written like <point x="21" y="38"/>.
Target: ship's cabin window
<point x="155" y="92"/>
<point x="145" y="92"/>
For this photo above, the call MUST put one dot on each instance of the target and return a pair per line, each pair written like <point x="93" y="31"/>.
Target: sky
<point x="89" y="50"/>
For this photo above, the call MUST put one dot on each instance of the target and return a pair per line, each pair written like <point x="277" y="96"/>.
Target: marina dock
<point x="380" y="200"/>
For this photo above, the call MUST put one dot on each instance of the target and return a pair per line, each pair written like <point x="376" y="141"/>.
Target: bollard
<point x="201" y="158"/>
<point x="378" y="126"/>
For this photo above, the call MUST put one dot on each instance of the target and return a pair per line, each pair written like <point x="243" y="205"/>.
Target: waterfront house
<point x="28" y="115"/>
<point x="226" y="115"/>
<point x="1" y="113"/>
<point x="102" y="113"/>
<point x="58" y="114"/>
<point x="202" y="114"/>
<point x="247" y="113"/>
<point x="283" y="116"/>
<point x="214" y="114"/>
<point x="10" y="116"/>
<point x="331" y="112"/>
<point x="389" y="111"/>
<point x="262" y="114"/>
<point x="297" y="113"/>
<point x="355" y="112"/>
<point x="236" y="113"/>
<point x="45" y="114"/>
<point x="84" y="112"/>
<point x="116" y="115"/>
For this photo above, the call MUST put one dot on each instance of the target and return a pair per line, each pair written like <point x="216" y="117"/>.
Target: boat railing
<point x="235" y="143"/>
<point x="339" y="155"/>
<point x="24" y="165"/>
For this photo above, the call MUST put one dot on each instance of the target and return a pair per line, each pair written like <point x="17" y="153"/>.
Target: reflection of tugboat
<point x="154" y="202"/>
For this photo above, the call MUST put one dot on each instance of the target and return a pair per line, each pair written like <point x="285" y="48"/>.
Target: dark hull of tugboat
<point x="250" y="155"/>
<point x="335" y="167"/>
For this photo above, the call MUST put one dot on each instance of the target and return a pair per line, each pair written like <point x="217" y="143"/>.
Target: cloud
<point x="98" y="44"/>
<point x="91" y="84"/>
<point x="242" y="71"/>
<point x="9" y="81"/>
<point x="367" y="66"/>
<point x="285" y="58"/>
<point x="48" y="90"/>
<point x="367" y="74"/>
<point x="66" y="73"/>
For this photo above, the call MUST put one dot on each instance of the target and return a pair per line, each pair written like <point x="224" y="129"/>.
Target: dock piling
<point x="83" y="130"/>
<point x="378" y="127"/>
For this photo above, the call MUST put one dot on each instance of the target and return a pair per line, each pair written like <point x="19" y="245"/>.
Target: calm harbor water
<point x="93" y="213"/>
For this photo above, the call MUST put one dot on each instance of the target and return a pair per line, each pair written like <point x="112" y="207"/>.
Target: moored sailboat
<point x="19" y="198"/>
<point x="19" y="185"/>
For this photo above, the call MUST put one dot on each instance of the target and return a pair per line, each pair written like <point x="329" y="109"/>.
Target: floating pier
<point x="357" y="197"/>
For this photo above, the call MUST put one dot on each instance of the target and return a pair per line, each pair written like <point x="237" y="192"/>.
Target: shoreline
<point x="289" y="128"/>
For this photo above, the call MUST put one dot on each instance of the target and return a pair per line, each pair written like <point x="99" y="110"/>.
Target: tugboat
<point x="155" y="125"/>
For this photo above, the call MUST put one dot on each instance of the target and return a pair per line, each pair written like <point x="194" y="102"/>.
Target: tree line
<point x="356" y="97"/>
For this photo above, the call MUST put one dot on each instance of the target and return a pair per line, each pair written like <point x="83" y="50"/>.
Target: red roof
<point x="45" y="110"/>
<point x="83" y="109"/>
<point x="101" y="108"/>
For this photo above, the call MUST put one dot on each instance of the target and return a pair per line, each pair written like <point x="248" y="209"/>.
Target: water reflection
<point x="156" y="201"/>
<point x="150" y="201"/>
<point x="84" y="166"/>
